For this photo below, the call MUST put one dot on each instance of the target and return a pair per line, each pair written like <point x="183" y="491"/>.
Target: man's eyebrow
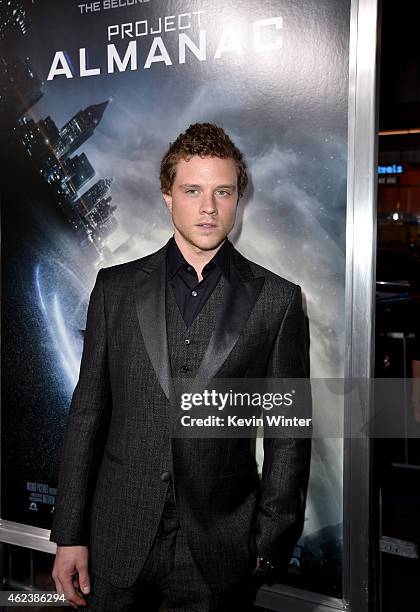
<point x="196" y="186"/>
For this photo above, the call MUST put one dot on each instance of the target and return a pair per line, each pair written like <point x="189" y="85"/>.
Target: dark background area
<point x="396" y="492"/>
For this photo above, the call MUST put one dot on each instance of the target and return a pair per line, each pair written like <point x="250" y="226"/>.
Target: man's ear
<point x="168" y="199"/>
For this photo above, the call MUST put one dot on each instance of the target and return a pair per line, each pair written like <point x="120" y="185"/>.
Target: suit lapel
<point x="150" y="288"/>
<point x="239" y="300"/>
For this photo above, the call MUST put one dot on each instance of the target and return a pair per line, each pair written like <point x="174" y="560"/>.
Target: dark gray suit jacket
<point x="118" y="440"/>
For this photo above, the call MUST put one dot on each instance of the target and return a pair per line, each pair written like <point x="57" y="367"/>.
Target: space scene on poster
<point x="91" y="95"/>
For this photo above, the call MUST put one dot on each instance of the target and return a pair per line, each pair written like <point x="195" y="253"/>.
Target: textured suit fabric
<point x="118" y="439"/>
<point x="169" y="571"/>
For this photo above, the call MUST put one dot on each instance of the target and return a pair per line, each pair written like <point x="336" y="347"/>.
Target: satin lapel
<point x="150" y="290"/>
<point x="239" y="301"/>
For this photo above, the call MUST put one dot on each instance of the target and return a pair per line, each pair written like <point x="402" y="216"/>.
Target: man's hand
<point x="71" y="560"/>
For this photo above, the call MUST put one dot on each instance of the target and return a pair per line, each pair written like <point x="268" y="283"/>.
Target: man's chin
<point x="207" y="243"/>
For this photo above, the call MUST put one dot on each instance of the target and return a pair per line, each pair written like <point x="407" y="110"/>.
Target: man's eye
<point x="223" y="192"/>
<point x="191" y="191"/>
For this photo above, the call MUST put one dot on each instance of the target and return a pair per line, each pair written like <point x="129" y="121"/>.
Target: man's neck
<point x="197" y="258"/>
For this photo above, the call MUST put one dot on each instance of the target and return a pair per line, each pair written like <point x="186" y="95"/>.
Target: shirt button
<point x="186" y="341"/>
<point x="194" y="293"/>
<point x="165" y="476"/>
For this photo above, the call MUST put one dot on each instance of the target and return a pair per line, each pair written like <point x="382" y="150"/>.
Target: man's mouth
<point x="206" y="225"/>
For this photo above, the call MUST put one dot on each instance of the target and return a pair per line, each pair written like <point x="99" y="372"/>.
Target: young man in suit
<point x="139" y="512"/>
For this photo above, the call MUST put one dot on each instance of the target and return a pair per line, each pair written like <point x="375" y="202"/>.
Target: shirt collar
<point x="175" y="259"/>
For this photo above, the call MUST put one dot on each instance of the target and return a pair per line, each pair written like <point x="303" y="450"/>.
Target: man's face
<point x="203" y="201"/>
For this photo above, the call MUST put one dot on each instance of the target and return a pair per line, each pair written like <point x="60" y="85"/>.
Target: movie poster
<point x="91" y="95"/>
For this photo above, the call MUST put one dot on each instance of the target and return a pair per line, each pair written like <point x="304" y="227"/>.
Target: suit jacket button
<point x="165" y="476"/>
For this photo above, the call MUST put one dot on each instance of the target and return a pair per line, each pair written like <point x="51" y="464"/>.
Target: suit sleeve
<point x="286" y="459"/>
<point x="87" y="425"/>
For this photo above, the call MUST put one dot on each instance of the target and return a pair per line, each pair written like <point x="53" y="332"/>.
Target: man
<point x="140" y="512"/>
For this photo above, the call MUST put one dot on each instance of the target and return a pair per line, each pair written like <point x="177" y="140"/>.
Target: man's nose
<point x="208" y="204"/>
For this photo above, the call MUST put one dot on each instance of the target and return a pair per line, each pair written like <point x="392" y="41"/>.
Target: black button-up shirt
<point x="191" y="295"/>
